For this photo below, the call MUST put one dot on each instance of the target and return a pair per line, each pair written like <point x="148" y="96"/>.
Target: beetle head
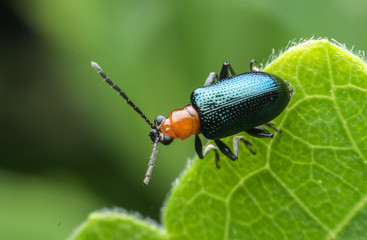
<point x="156" y="134"/>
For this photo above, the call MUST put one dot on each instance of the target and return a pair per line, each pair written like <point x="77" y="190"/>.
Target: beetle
<point x="225" y="106"/>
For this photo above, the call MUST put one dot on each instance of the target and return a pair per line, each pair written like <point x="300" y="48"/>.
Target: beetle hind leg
<point x="271" y="125"/>
<point x="259" y="132"/>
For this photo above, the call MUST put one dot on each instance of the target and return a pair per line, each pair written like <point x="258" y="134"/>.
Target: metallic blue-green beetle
<point x="243" y="102"/>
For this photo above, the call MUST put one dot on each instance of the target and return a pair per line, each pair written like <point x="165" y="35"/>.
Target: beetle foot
<point x="209" y="148"/>
<point x="236" y="141"/>
<point x="271" y="125"/>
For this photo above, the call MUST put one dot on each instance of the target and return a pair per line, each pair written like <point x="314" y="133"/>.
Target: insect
<point x="243" y="102"/>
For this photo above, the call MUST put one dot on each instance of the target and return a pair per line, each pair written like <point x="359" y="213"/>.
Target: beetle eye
<point x="166" y="140"/>
<point x="158" y="120"/>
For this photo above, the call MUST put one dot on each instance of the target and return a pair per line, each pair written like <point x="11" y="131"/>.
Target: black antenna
<point x="122" y="94"/>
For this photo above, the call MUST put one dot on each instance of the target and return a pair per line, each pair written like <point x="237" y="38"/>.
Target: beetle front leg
<point x="199" y="150"/>
<point x="209" y="148"/>
<point x="199" y="147"/>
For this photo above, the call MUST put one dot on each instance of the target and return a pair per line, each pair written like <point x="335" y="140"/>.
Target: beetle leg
<point x="271" y="125"/>
<point x="252" y="66"/>
<point x="236" y="141"/>
<point x="224" y="72"/>
<point x="211" y="79"/>
<point x="222" y="147"/>
<point x="199" y="147"/>
<point x="225" y="149"/>
<point x="209" y="148"/>
<point x="259" y="132"/>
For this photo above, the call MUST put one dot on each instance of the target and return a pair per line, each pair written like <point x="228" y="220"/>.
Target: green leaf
<point x="117" y="224"/>
<point x="308" y="182"/>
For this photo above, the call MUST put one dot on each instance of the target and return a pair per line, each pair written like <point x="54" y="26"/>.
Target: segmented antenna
<point x="122" y="94"/>
<point x="151" y="163"/>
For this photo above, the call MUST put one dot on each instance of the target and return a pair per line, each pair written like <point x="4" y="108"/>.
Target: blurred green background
<point x="70" y="145"/>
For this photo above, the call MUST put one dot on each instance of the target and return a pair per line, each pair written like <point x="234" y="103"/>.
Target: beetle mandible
<point x="243" y="102"/>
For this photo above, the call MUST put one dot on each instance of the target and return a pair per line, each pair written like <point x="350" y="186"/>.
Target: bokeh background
<point x="70" y="145"/>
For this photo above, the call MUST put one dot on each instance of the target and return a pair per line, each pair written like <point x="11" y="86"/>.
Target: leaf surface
<point x="307" y="182"/>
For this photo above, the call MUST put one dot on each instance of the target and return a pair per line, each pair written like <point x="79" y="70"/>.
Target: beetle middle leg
<point x="211" y="79"/>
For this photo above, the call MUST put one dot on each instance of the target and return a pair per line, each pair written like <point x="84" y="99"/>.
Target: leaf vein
<point x="361" y="204"/>
<point x="340" y="116"/>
